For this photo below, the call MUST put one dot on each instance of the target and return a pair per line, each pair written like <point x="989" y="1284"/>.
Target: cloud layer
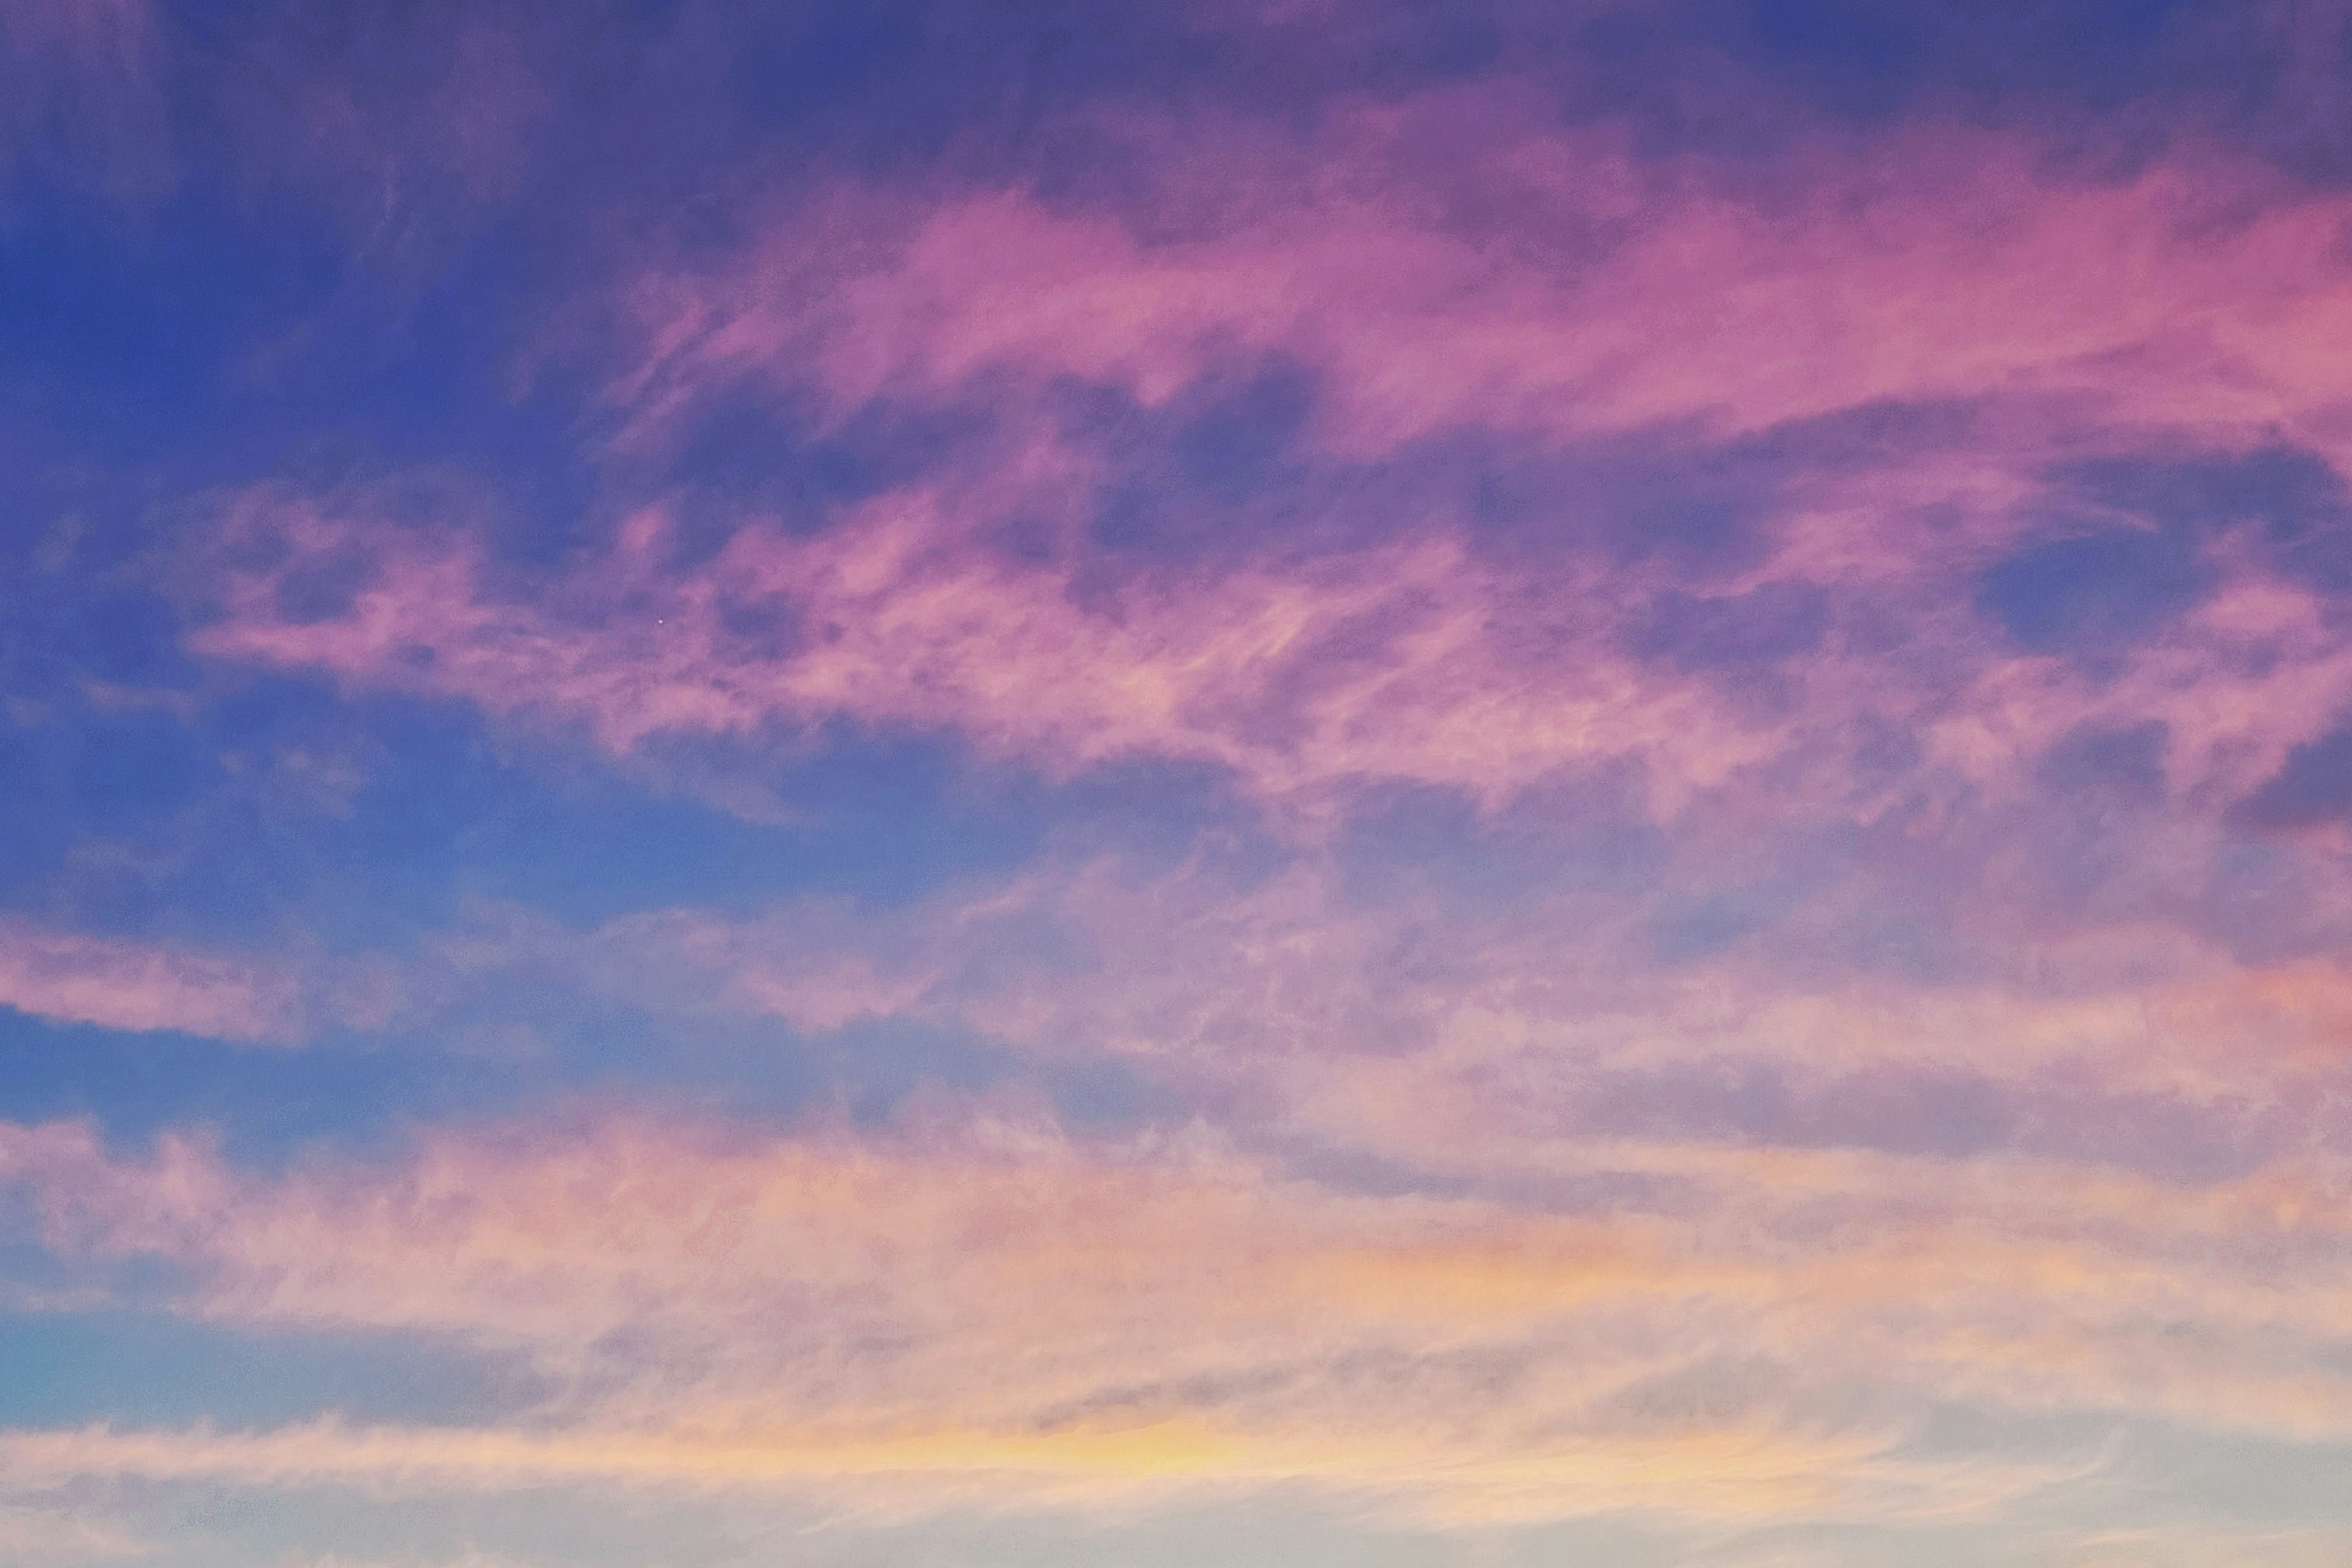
<point x="1540" y="784"/>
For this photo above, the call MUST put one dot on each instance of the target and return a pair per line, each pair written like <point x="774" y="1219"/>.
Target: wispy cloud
<point x="119" y="984"/>
<point x="1898" y="581"/>
<point x="1491" y="763"/>
<point x="1548" y="282"/>
<point x="702" y="1283"/>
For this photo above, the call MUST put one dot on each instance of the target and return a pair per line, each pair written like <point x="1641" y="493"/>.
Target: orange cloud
<point x="676" y="1279"/>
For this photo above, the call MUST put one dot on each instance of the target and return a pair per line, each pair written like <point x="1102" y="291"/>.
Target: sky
<point x="938" y="783"/>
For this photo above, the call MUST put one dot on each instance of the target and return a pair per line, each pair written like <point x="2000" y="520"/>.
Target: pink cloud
<point x="2250" y="676"/>
<point x="1413" y="662"/>
<point x="1615" y="293"/>
<point x="2082" y="314"/>
<point x="119" y="985"/>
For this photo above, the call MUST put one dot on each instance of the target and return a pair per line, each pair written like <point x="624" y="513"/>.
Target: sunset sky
<point x="1225" y="784"/>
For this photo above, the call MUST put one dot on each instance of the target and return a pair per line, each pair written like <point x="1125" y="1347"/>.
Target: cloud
<point x="1459" y="261"/>
<point x="119" y="984"/>
<point x="1769" y="719"/>
<point x="1304" y="679"/>
<point x="1732" y="1475"/>
<point x="1961" y="582"/>
<point x="1412" y="663"/>
<point x="1286" y="997"/>
<point x="62" y="1535"/>
<point x="689" y="1281"/>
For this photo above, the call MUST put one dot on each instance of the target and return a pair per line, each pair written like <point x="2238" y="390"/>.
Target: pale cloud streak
<point x="121" y="984"/>
<point x="693" y="1282"/>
